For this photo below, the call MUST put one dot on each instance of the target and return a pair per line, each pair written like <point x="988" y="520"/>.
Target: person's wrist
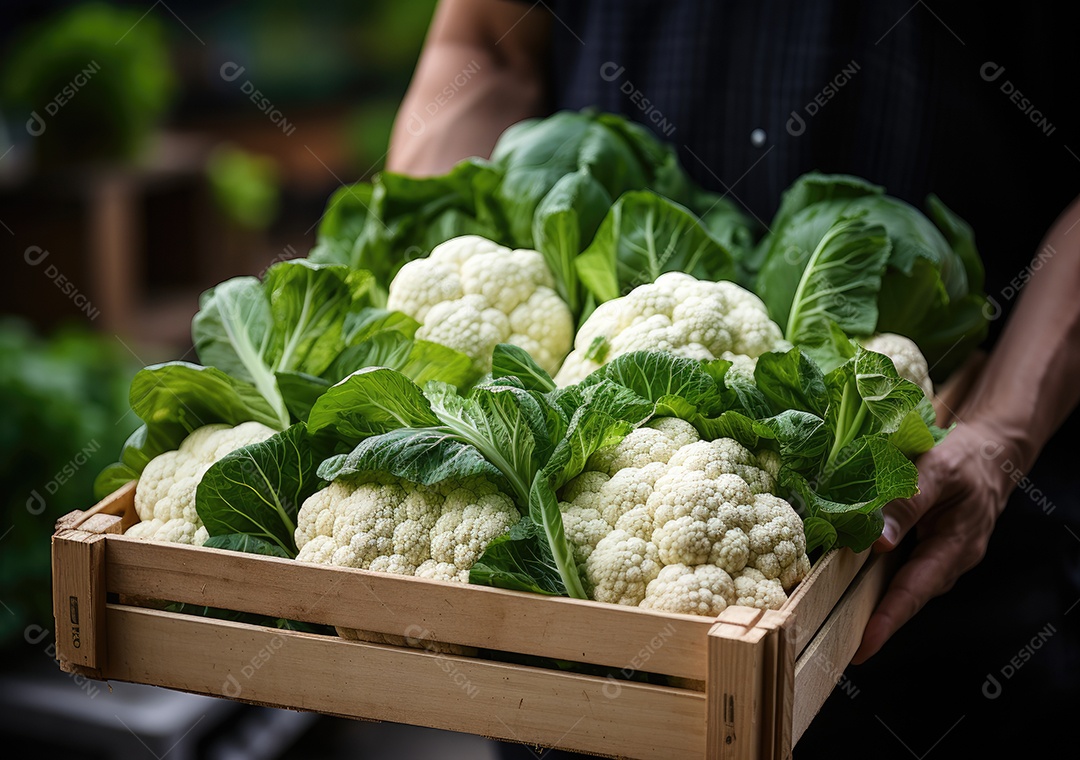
<point x="1005" y="447"/>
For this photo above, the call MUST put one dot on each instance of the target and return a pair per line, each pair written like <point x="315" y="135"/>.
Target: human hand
<point x="963" y="486"/>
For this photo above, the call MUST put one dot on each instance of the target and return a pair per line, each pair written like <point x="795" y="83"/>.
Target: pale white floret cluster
<point x="682" y="315"/>
<point x="385" y="524"/>
<point x="471" y="294"/>
<point x="165" y="493"/>
<point x="668" y="521"/>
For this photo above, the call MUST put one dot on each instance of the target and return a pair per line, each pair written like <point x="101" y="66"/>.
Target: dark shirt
<point x="973" y="102"/>
<point x="893" y="92"/>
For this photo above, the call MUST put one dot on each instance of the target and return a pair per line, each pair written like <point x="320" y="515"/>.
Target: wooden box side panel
<point x="816" y="596"/>
<point x="477" y="616"/>
<point x="333" y="676"/>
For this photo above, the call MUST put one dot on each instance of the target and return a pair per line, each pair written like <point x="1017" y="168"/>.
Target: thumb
<point x="902" y="514"/>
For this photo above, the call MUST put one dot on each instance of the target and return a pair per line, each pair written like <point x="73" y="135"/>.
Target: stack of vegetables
<point x="566" y="370"/>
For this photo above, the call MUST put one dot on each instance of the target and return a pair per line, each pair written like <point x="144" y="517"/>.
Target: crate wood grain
<point x="750" y="681"/>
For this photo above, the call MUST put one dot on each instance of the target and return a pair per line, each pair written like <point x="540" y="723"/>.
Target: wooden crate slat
<point x="820" y="666"/>
<point x="330" y="675"/>
<point x="568" y="629"/>
<point x="120" y="502"/>
<point x="102" y="523"/>
<point x="817" y="594"/>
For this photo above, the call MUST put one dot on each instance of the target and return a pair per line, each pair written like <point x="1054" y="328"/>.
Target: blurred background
<point x="147" y="152"/>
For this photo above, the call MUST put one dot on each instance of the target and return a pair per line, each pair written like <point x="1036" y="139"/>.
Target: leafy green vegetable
<point x="242" y="542"/>
<point x="503" y="425"/>
<point x="369" y="402"/>
<point x="840" y="282"/>
<point x="425" y="456"/>
<point x="521" y="560"/>
<point x="846" y="440"/>
<point x="538" y="552"/>
<point x="379" y="338"/>
<point x="290" y="322"/>
<point x="544" y="513"/>
<point x="867" y="396"/>
<point x="192" y="396"/>
<point x="257" y="490"/>
<point x="658" y="375"/>
<point x="173" y="399"/>
<point x="930" y="288"/>
<point x="369" y="226"/>
<point x="643" y="236"/>
<point x="535" y="154"/>
<point x="565" y="221"/>
<point x="509" y="360"/>
<point x="529" y="442"/>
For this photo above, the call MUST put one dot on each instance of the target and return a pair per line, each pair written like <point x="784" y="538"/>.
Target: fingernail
<point x="891" y="531"/>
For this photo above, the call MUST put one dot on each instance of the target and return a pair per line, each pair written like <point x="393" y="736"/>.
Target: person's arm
<point x="483" y="68"/>
<point x="1024" y="391"/>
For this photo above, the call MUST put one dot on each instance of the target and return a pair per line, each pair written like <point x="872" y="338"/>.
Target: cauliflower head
<point x="668" y="521"/>
<point x="906" y="357"/>
<point x="165" y="493"/>
<point x="679" y="314"/>
<point x="393" y="526"/>
<point x="471" y="294"/>
<point x="381" y="523"/>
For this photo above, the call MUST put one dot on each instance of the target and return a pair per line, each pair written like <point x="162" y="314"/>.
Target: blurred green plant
<point x="92" y="80"/>
<point x="65" y="416"/>
<point x="367" y="134"/>
<point x="245" y="186"/>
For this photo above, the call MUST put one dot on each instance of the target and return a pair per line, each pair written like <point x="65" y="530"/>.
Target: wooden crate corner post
<point x="78" y="577"/>
<point x="750" y="675"/>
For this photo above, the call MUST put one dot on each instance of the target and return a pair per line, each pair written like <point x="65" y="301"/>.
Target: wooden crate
<point x="753" y="680"/>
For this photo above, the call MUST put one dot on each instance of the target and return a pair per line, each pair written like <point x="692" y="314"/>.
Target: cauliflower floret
<point x="471" y="294"/>
<point x="584" y="527"/>
<point x="906" y="357"/>
<point x="657" y="441"/>
<point x="620" y="568"/>
<point x="318" y="550"/>
<point x="462" y="534"/>
<point x="628" y="489"/>
<point x="701" y="590"/>
<point x="777" y="541"/>
<point x="679" y="314"/>
<point x="584" y="490"/>
<point x="389" y="525"/>
<point x="442" y="571"/>
<point x="165" y="492"/>
<point x="753" y="589"/>
<point x="467" y="325"/>
<point x="398" y="564"/>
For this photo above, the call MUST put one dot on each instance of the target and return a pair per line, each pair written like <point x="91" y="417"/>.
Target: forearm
<point x="1029" y="384"/>
<point x="482" y="69"/>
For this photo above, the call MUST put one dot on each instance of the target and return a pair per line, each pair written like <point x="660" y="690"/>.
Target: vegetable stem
<point x="848" y="423"/>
